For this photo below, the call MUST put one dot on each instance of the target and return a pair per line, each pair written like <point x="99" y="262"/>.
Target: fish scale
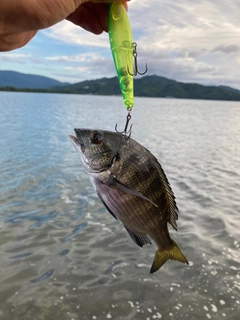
<point x="154" y="187"/>
<point x="134" y="188"/>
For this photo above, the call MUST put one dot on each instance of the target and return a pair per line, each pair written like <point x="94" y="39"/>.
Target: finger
<point x="110" y="1"/>
<point x="106" y="1"/>
<point x="91" y="17"/>
<point x="14" y="41"/>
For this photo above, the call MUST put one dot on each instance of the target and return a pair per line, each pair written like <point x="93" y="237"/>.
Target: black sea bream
<point x="133" y="187"/>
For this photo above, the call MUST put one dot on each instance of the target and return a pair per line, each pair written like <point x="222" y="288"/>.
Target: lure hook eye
<point x="126" y="132"/>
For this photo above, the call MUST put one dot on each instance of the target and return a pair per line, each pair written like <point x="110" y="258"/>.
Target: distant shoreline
<point x="148" y="86"/>
<point x="13" y="89"/>
<point x="52" y="91"/>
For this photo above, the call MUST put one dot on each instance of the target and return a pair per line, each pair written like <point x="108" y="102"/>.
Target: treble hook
<point x="135" y="68"/>
<point x="126" y="132"/>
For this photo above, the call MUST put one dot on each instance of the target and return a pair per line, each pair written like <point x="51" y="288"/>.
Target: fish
<point x="133" y="187"/>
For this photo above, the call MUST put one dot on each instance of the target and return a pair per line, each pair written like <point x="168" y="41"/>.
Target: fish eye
<point x="96" y="138"/>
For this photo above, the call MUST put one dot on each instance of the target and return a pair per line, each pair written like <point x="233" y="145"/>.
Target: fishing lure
<point x="120" y="38"/>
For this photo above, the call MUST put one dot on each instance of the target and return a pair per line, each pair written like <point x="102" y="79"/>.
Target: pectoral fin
<point x="112" y="182"/>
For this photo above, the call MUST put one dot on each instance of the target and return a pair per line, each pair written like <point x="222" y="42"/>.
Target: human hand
<point x="21" y="19"/>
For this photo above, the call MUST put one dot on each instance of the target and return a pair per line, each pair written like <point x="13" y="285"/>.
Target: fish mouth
<point x="77" y="141"/>
<point x="74" y="139"/>
<point x="79" y="146"/>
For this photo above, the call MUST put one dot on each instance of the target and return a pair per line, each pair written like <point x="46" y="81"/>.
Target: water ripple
<point x="64" y="257"/>
<point x="43" y="277"/>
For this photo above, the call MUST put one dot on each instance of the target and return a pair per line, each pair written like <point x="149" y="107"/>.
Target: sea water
<point x="63" y="256"/>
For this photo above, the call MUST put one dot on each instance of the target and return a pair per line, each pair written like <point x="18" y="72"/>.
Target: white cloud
<point x="226" y="48"/>
<point x="83" y="66"/>
<point x="14" y="57"/>
<point x="191" y="41"/>
<point x="69" y="33"/>
<point x="82" y="58"/>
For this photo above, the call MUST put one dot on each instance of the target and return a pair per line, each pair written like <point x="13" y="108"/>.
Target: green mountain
<point x="147" y="86"/>
<point x="153" y="86"/>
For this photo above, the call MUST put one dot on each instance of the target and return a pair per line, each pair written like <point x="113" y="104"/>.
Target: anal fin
<point x="139" y="240"/>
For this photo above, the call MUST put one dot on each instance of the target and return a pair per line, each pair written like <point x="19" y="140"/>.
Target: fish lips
<point x="79" y="145"/>
<point x="77" y="141"/>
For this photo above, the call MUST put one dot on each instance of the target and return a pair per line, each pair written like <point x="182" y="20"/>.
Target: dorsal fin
<point x="173" y="209"/>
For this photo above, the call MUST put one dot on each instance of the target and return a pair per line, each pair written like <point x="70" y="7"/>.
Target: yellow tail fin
<point x="172" y="253"/>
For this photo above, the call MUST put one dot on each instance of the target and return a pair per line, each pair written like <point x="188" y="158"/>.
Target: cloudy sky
<point x="190" y="41"/>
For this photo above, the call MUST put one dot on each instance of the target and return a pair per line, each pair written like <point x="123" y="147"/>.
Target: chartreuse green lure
<point x="120" y="38"/>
